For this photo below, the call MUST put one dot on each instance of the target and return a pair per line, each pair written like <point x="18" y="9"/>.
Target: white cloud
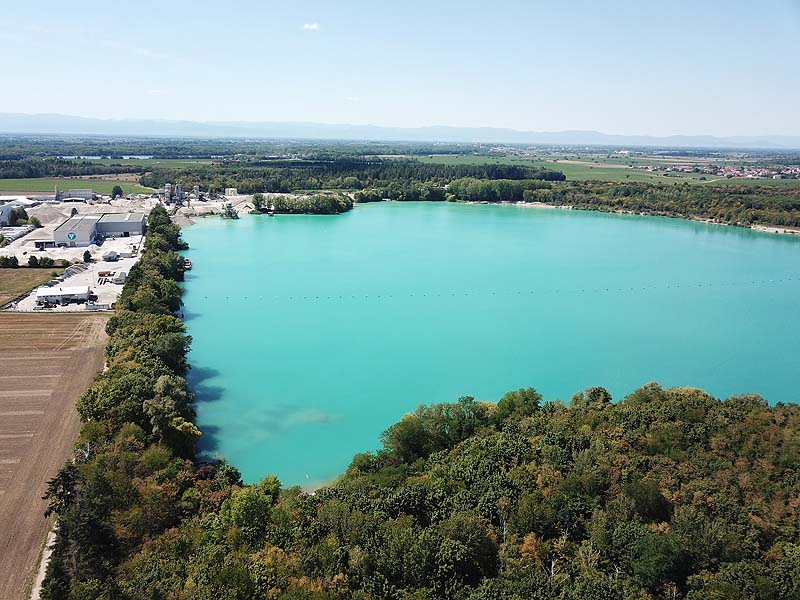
<point x="155" y="92"/>
<point x="311" y="26"/>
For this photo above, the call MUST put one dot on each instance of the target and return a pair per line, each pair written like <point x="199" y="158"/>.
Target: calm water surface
<point x="312" y="334"/>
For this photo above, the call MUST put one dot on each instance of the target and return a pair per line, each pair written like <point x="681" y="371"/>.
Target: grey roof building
<point x="121" y="224"/>
<point x="80" y="230"/>
<point x="84" y="230"/>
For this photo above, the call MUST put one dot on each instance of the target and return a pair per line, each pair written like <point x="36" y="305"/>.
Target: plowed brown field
<point x="46" y="362"/>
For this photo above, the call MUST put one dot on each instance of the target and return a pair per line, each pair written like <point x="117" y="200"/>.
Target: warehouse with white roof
<point x="63" y="294"/>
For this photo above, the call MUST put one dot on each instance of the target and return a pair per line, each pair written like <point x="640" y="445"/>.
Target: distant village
<point x="703" y="167"/>
<point x="748" y="172"/>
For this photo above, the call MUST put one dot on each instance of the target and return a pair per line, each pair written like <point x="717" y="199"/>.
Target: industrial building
<point x="63" y="295"/>
<point x="121" y="224"/>
<point x="84" y="230"/>
<point x="73" y="195"/>
<point x="172" y="194"/>
<point x="80" y="230"/>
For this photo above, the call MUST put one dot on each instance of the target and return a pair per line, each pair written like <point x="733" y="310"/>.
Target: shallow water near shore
<point x="312" y="334"/>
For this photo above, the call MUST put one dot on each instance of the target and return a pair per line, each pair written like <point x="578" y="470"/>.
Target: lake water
<point x="312" y="334"/>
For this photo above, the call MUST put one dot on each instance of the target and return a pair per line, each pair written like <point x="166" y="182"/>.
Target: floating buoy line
<point x="765" y="283"/>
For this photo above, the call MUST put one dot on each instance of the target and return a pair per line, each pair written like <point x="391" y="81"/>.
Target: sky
<point x="727" y="67"/>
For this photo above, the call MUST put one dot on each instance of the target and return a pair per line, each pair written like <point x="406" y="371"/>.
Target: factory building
<point x="63" y="295"/>
<point x="80" y="230"/>
<point x="172" y="193"/>
<point x="84" y="195"/>
<point x="121" y="224"/>
<point x="84" y="230"/>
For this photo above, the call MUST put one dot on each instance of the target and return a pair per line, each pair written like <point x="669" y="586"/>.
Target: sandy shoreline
<point x="183" y="220"/>
<point x="772" y="229"/>
<point x="521" y="204"/>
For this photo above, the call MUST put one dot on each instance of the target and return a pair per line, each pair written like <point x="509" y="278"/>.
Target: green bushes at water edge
<point x="733" y="205"/>
<point x="668" y="493"/>
<point x="315" y="204"/>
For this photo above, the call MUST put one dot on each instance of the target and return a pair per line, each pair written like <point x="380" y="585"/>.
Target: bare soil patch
<point x="46" y="363"/>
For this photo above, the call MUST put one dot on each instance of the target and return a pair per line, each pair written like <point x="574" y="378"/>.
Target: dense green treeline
<point x="314" y="204"/>
<point x="21" y="146"/>
<point x="465" y="189"/>
<point x="58" y="167"/>
<point x="410" y="191"/>
<point x="336" y="174"/>
<point x="471" y="189"/>
<point x="134" y="458"/>
<point x="320" y="204"/>
<point x="669" y="494"/>
<point x="736" y="205"/>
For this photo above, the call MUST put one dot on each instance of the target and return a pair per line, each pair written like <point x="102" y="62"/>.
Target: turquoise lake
<point x="312" y="334"/>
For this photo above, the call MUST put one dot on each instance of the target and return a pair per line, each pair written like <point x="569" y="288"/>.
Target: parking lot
<point x="99" y="276"/>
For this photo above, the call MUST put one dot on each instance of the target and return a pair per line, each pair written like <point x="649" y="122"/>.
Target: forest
<point x="20" y="146"/>
<point x="347" y="173"/>
<point x="662" y="494"/>
<point x="734" y="205"/>
<point x="58" y="167"/>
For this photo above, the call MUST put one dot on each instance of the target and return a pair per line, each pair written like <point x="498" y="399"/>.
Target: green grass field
<point x="47" y="185"/>
<point x="614" y="169"/>
<point x="14" y="282"/>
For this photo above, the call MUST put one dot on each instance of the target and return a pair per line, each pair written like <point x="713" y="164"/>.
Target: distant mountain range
<point x="70" y="125"/>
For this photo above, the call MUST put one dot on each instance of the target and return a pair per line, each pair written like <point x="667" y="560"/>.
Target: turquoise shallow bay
<point x="312" y="334"/>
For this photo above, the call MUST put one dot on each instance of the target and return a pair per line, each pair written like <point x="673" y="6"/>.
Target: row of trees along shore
<point x="667" y="494"/>
<point x="374" y="179"/>
<point x="408" y="180"/>
<point x="319" y="204"/>
<point x="734" y="205"/>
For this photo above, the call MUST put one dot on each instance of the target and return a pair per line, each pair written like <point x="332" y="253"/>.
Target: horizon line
<point x="382" y="126"/>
